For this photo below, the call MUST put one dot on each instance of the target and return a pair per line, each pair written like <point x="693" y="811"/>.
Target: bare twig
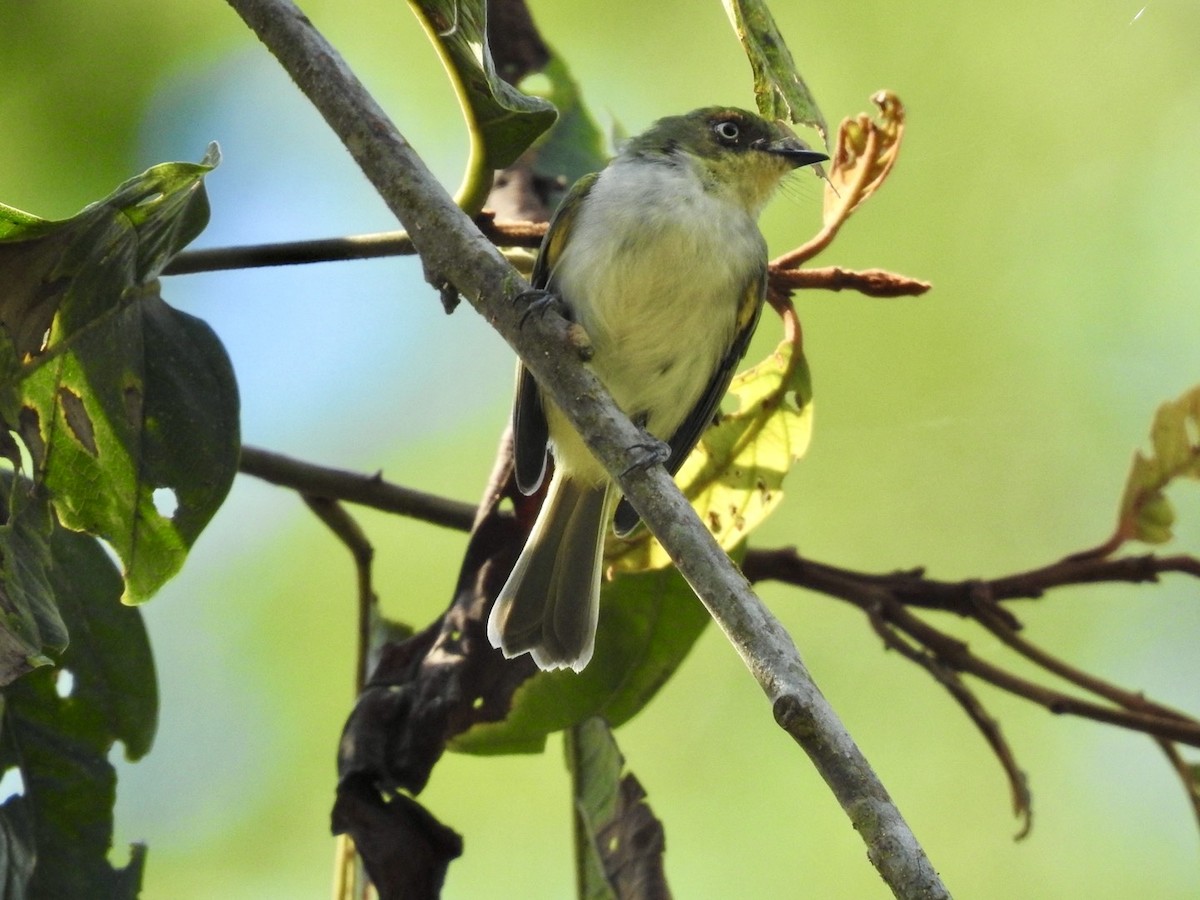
<point x="348" y="877"/>
<point x="340" y="249"/>
<point x="971" y="705"/>
<point x="350" y="533"/>
<point x="365" y="490"/>
<point x="1186" y="774"/>
<point x="454" y="252"/>
<point x="890" y="598"/>
<point x="872" y="282"/>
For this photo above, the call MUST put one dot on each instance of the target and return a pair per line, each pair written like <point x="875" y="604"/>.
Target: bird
<point x="659" y="259"/>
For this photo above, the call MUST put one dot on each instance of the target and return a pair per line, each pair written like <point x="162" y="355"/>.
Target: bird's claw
<point x="647" y="453"/>
<point x="539" y="301"/>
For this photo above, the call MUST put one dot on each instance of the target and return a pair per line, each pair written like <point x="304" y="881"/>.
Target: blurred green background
<point x="1047" y="187"/>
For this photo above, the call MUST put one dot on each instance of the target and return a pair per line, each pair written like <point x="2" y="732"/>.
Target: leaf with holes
<point x="116" y="395"/>
<point x="59" y="726"/>
<point x="30" y="622"/>
<point x="575" y="146"/>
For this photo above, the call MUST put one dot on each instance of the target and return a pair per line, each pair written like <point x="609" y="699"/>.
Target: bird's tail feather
<point x="550" y="603"/>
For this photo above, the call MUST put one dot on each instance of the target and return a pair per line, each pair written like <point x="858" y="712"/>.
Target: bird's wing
<point x="531" y="434"/>
<point x="750" y="306"/>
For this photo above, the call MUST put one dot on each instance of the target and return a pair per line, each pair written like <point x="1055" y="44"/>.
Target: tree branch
<point x="455" y="252"/>
<point x="340" y="249"/>
<point x="889" y="598"/>
<point x="365" y="490"/>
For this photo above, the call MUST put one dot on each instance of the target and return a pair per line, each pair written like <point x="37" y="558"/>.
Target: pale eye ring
<point x="727" y="131"/>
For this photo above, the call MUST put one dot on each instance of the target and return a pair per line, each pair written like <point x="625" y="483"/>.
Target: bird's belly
<point x="655" y="272"/>
<point x="659" y="332"/>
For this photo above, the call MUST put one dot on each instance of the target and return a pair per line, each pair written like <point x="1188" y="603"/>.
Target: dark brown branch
<point x="340" y="249"/>
<point x="365" y="490"/>
<point x="912" y="588"/>
<point x="891" y="596"/>
<point x="1186" y="774"/>
<point x="1018" y="783"/>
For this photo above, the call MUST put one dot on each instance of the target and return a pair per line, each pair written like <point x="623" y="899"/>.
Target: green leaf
<point x="121" y="400"/>
<point x="18" y="853"/>
<point x="779" y="90"/>
<point x="648" y="624"/>
<point x="505" y="121"/>
<point x="619" y="843"/>
<point x="59" y="726"/>
<point x="734" y="477"/>
<point x="30" y="622"/>
<point x="575" y="146"/>
<point x="1145" y="513"/>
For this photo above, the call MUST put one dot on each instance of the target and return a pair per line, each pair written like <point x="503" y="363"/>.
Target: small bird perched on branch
<point x="659" y="259"/>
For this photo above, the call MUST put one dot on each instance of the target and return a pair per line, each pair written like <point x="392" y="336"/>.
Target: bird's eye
<point x="727" y="131"/>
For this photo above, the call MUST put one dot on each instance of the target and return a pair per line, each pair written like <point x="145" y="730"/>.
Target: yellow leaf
<point x="734" y="476"/>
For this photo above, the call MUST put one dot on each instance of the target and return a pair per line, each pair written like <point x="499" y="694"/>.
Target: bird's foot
<point x="539" y="302"/>
<point x="647" y="453"/>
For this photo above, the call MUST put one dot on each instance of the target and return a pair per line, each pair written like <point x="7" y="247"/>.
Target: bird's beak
<point x="794" y="151"/>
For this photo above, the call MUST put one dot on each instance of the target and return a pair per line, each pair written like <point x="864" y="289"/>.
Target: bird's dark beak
<point x="793" y="150"/>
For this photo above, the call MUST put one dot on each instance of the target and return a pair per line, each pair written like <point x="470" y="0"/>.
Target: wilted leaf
<point x="778" y="88"/>
<point x="406" y="851"/>
<point x="117" y="396"/>
<point x="1146" y="514"/>
<point x="619" y="844"/>
<point x="60" y="724"/>
<point x="505" y="120"/>
<point x="865" y="153"/>
<point x="734" y="477"/>
<point x="648" y="624"/>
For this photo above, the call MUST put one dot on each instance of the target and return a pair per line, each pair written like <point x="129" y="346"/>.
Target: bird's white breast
<point x="654" y="270"/>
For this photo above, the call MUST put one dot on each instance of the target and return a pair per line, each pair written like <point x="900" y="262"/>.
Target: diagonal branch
<point x="458" y="258"/>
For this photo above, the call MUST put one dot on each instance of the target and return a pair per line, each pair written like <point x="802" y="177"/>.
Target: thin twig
<point x="364" y="490"/>
<point x="1187" y="775"/>
<point x="912" y="588"/>
<point x="1018" y="783"/>
<point x="455" y="253"/>
<point x="340" y="249"/>
<point x="348" y="874"/>
<point x="350" y="533"/>
<point x="872" y="282"/>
